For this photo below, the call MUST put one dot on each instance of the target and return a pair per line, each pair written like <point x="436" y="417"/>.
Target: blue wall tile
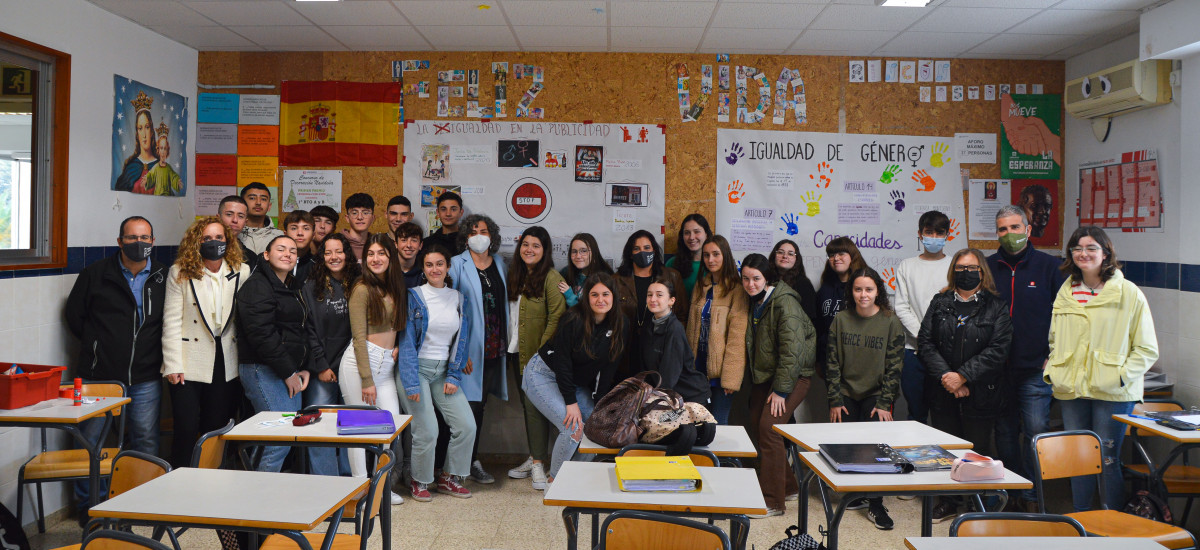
<point x="76" y="259"/>
<point x="92" y="254"/>
<point x="1172" y="282"/>
<point x="1156" y="275"/>
<point x="1135" y="272"/>
<point x="1189" y="277"/>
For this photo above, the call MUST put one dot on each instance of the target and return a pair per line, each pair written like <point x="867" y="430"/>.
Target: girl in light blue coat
<point x="433" y="354"/>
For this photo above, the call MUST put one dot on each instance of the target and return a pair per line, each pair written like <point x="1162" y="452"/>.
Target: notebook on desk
<point x="865" y="458"/>
<point x="354" y="422"/>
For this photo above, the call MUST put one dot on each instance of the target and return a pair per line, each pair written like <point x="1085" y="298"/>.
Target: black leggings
<point x="199" y="408"/>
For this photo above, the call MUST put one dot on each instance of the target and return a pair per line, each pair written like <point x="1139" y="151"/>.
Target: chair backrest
<point x="1066" y="454"/>
<point x="101" y="389"/>
<point x="210" y="448"/>
<point x="700" y="457"/>
<point x="635" y="530"/>
<point x="378" y="489"/>
<point x="133" y="468"/>
<point x="1001" y="524"/>
<point x="107" y="539"/>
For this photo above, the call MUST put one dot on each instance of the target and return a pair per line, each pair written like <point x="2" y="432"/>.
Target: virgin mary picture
<point x="142" y="160"/>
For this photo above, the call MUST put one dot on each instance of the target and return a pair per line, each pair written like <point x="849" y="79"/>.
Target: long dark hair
<point x="789" y="276"/>
<point x="321" y="275"/>
<point x="626" y="268"/>
<point x="1108" y="267"/>
<point x="614" y="317"/>
<point x="759" y="262"/>
<point x="391" y="283"/>
<point x="683" y="262"/>
<point x="729" y="271"/>
<point x="838" y="245"/>
<point x="881" y="298"/>
<point x="596" y="265"/>
<point x="440" y="251"/>
<point x="526" y="281"/>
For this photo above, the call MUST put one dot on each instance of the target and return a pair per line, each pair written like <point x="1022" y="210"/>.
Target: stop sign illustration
<point x="529" y="200"/>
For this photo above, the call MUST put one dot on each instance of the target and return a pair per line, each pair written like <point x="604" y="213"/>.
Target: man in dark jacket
<point x="115" y="310"/>
<point x="1028" y="280"/>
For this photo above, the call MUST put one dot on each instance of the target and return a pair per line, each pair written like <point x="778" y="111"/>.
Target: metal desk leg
<point x="595" y="529"/>
<point x="836" y="521"/>
<point x="571" y="522"/>
<point x="94" y="458"/>
<point x="927" y="515"/>
<point x="331" y="534"/>
<point x="803" y="477"/>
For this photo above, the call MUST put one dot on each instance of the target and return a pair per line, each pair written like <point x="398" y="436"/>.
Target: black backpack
<point x="11" y="534"/>
<point x="1148" y="505"/>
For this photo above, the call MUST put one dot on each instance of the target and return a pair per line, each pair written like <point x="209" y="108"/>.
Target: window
<point x="34" y="114"/>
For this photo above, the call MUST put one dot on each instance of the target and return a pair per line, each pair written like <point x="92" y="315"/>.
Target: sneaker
<point x="944" y="510"/>
<point x="857" y="504"/>
<point x="396" y="498"/>
<point x="539" y="476"/>
<point x="479" y="475"/>
<point x="522" y="471"/>
<point x="878" y="513"/>
<point x="906" y="497"/>
<point x="792" y="497"/>
<point x="452" y="485"/>
<point x="770" y="512"/>
<point x="420" y="491"/>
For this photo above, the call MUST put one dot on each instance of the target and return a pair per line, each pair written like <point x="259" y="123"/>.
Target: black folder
<point x="865" y="458"/>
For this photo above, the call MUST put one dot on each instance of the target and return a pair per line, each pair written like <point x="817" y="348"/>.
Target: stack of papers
<point x="657" y="473"/>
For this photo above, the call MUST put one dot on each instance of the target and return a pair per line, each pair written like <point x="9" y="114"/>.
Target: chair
<point x="1077" y="453"/>
<point x="209" y="452"/>
<point x="1000" y="524"/>
<point x="355" y="504"/>
<point x="1178" y="480"/>
<point x="108" y="539"/>
<point x="634" y="530"/>
<point x="376" y="492"/>
<point x="69" y="464"/>
<point x="700" y="457"/>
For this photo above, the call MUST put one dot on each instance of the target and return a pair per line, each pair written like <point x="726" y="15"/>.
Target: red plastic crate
<point x="38" y="383"/>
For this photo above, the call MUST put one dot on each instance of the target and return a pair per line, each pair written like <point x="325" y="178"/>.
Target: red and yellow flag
<point x="334" y="123"/>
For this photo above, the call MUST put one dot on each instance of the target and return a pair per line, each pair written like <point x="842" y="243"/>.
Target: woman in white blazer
<point x="200" y="357"/>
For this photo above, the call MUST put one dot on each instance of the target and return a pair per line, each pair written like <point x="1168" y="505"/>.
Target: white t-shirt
<point x="444" y="321"/>
<point x="514" y="324"/>
<point x="917" y="282"/>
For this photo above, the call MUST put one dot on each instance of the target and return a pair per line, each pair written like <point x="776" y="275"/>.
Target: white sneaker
<point x="522" y="471"/>
<point x="539" y="477"/>
<point x="396" y="498"/>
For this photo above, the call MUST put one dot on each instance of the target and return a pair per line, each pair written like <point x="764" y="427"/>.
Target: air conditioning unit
<point x="1121" y="89"/>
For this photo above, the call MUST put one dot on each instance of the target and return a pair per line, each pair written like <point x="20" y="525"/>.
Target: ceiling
<point x="1007" y="29"/>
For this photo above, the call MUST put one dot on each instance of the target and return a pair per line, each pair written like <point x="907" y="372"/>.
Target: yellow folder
<point x="657" y="473"/>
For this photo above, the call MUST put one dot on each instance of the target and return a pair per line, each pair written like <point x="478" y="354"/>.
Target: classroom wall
<point x="100" y="44"/>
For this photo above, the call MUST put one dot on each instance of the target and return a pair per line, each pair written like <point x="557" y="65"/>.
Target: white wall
<point x="100" y="44"/>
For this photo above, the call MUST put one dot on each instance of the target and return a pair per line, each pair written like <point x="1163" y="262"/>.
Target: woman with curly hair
<point x="200" y="358"/>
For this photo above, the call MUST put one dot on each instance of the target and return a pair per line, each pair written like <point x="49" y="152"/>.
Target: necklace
<point x="1090" y="289"/>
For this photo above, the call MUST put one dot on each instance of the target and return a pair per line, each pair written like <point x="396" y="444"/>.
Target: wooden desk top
<point x="730" y="441"/>
<point x="902" y="433"/>
<point x="234" y="498"/>
<point x="594" y="485"/>
<point x="1150" y="426"/>
<point x="323" y="431"/>
<point x="1007" y="543"/>
<point x="61" y="411"/>
<point x="916" y="481"/>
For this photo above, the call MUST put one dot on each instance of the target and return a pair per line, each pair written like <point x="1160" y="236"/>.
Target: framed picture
<point x="627" y="194"/>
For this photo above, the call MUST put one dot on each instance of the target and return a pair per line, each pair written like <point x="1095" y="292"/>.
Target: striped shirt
<point x="1082" y="293"/>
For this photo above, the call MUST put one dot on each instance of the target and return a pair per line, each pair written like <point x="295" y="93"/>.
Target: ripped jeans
<point x="539" y="383"/>
<point x="1095" y="415"/>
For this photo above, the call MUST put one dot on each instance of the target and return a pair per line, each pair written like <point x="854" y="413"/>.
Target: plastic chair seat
<point x="66" y="463"/>
<point x="1111" y="523"/>
<point x="342" y="541"/>
<point x="1179" y="479"/>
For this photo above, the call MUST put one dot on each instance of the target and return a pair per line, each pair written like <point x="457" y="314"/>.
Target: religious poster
<point x="1031" y="136"/>
<point x="149" y="139"/>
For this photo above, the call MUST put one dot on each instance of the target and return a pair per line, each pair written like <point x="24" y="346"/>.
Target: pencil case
<point x="976" y="467"/>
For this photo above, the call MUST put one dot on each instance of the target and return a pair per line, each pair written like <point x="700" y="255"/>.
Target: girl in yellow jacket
<point x="1101" y="343"/>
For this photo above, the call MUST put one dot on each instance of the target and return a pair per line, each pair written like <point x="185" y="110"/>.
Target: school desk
<point x="1030" y="543"/>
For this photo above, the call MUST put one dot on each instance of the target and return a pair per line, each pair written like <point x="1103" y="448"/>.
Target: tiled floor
<point x="509" y="515"/>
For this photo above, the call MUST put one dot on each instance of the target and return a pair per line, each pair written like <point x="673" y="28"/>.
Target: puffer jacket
<point x="728" y="316"/>
<point x="1101" y="349"/>
<point x="781" y="341"/>
<point x="980" y="357"/>
<point x="272" y="324"/>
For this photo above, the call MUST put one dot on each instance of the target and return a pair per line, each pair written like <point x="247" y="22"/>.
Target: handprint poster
<point x="1031" y="136"/>
<point x="813" y="187"/>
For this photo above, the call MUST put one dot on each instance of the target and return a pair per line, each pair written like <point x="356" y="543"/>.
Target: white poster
<point x="604" y="179"/>
<point x="208" y="198"/>
<point x="871" y="188"/>
<point x="305" y="189"/>
<point x="975" y="148"/>
<point x="986" y="197"/>
<point x="259" y="109"/>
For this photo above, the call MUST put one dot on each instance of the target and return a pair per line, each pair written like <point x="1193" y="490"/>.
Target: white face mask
<point x="479" y="244"/>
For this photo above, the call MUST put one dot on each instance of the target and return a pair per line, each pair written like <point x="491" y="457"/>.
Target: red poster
<point x="1122" y="192"/>
<point x="1040" y="199"/>
<point x="216" y="170"/>
<point x="1086" y="188"/>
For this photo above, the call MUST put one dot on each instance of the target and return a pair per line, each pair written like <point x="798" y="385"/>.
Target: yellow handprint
<point x="936" y="159"/>
<point x="735" y="191"/>
<point x="813" y="203"/>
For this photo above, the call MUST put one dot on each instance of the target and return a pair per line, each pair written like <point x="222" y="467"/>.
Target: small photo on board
<point x="627" y="194"/>
<point x="435" y="163"/>
<point x="555" y="159"/>
<point x="517" y="153"/>
<point x="589" y="163"/>
<point x="430" y="193"/>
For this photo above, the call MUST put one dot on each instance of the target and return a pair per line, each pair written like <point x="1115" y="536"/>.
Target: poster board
<point x="812" y="187"/>
<point x="1122" y="192"/>
<point x="605" y="179"/>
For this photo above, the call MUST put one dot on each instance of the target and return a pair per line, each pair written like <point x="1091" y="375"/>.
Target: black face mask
<point x="212" y="250"/>
<point x="643" y="259"/>
<point x="136" y="251"/>
<point x="967" y="280"/>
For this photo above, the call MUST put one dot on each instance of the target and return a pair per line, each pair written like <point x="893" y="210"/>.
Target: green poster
<point x="1031" y="136"/>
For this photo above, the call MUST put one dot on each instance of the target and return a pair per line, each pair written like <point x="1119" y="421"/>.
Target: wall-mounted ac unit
<point x="1121" y="89"/>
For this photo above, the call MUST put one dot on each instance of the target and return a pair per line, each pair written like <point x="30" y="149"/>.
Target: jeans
<point x="912" y="384"/>
<point x="1027" y="415"/>
<point x="267" y="392"/>
<point x="459" y="418"/>
<point x="1095" y="415"/>
<point x="326" y="461"/>
<point x="383" y="374"/>
<point x="141" y="427"/>
<point x="722" y="404"/>
<point x="540" y="385"/>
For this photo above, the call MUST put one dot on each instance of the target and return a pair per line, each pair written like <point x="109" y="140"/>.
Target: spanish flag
<point x="335" y="123"/>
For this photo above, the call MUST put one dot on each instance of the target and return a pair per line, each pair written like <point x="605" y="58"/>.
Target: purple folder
<point x="364" y="422"/>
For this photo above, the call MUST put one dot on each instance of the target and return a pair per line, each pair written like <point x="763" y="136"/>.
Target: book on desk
<point x="864" y="458"/>
<point x="657" y="473"/>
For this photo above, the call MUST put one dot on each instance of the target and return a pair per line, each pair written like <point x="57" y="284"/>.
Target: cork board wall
<point x="640" y="88"/>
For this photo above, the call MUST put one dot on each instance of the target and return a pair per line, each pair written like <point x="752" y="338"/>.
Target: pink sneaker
<point x="452" y="485"/>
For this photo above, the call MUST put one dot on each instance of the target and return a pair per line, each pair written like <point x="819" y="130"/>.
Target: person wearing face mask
<point x="964" y="343"/>
<point x="1026" y="280"/>
<point x="115" y="310"/>
<point x="918" y="279"/>
<point x="641" y="263"/>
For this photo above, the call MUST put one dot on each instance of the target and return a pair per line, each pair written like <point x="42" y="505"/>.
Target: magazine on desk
<point x="927" y="458"/>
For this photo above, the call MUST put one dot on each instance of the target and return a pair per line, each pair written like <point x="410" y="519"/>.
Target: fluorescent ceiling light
<point x="902" y="3"/>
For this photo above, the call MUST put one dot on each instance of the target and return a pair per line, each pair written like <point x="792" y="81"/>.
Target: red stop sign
<point x="529" y="201"/>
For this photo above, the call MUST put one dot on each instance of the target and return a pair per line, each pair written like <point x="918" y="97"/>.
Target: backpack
<point x="614" y="419"/>
<point x="11" y="534"/>
<point x="798" y="541"/>
<point x="1148" y="505"/>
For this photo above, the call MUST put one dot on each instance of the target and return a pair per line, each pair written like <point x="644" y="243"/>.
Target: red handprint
<point x="923" y="178"/>
<point x="889" y="275"/>
<point x="820" y="178"/>
<point x="735" y="191"/>
<point x="953" y="230"/>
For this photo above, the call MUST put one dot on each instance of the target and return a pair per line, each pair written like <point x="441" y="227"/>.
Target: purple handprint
<point x="897" y="201"/>
<point x="735" y="153"/>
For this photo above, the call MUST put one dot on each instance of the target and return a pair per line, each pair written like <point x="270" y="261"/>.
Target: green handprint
<point x="889" y="173"/>
<point x="936" y="159"/>
<point x="813" y="203"/>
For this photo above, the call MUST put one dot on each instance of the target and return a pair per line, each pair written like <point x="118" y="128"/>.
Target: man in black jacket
<point x="115" y="310"/>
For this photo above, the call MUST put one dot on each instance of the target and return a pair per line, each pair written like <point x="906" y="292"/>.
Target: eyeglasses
<point x="787" y="253"/>
<point x="580" y="251"/>
<point x="135" y="238"/>
<point x="967" y="269"/>
<point x="1091" y="248"/>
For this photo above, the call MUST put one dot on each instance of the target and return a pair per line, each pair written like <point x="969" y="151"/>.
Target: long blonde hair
<point x="191" y="265"/>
